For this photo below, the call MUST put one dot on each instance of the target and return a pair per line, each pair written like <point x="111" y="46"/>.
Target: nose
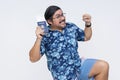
<point x="62" y="17"/>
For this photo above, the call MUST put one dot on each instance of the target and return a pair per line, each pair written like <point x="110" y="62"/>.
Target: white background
<point x="17" y="35"/>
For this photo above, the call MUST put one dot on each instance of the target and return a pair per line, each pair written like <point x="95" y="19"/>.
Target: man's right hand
<point x="39" y="32"/>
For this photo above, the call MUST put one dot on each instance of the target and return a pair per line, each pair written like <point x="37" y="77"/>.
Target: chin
<point x="64" y="25"/>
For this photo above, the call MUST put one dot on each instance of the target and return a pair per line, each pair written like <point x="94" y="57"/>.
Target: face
<point x="58" y="20"/>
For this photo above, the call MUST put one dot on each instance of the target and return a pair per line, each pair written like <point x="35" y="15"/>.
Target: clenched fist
<point x="86" y="18"/>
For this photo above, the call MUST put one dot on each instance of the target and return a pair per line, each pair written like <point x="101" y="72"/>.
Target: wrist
<point x="39" y="37"/>
<point x="88" y="24"/>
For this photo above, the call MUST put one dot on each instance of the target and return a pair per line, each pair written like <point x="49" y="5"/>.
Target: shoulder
<point x="71" y="25"/>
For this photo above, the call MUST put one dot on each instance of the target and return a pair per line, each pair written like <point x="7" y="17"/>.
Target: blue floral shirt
<point x="60" y="49"/>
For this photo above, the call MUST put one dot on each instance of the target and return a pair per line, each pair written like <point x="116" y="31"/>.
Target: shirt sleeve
<point x="80" y="35"/>
<point x="42" y="47"/>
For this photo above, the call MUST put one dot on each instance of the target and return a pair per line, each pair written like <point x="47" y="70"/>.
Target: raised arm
<point x="88" y="29"/>
<point x="34" y="53"/>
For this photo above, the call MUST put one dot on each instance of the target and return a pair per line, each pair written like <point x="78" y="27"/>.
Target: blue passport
<point x="43" y="25"/>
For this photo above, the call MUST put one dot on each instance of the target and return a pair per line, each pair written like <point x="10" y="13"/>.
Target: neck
<point x="56" y="28"/>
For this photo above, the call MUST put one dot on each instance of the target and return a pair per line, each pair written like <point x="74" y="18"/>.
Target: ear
<point x="49" y="21"/>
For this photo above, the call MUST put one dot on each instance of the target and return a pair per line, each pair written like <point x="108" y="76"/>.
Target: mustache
<point x="62" y="21"/>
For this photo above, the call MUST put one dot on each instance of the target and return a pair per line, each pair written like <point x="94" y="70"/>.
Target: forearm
<point x="35" y="51"/>
<point x="88" y="33"/>
<point x="88" y="29"/>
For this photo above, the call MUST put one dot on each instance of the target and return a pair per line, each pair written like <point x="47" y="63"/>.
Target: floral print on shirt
<point x="60" y="49"/>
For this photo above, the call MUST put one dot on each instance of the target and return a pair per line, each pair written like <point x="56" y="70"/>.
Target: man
<point x="60" y="47"/>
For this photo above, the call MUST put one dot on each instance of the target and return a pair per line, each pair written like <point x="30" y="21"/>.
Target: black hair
<point x="50" y="11"/>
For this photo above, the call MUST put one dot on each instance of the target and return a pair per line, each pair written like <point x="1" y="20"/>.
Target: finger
<point x="88" y="15"/>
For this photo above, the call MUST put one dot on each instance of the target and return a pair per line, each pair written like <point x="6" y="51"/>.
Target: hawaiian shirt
<point x="61" y="52"/>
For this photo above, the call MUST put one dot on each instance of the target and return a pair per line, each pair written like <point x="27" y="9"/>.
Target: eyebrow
<point x="58" y="14"/>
